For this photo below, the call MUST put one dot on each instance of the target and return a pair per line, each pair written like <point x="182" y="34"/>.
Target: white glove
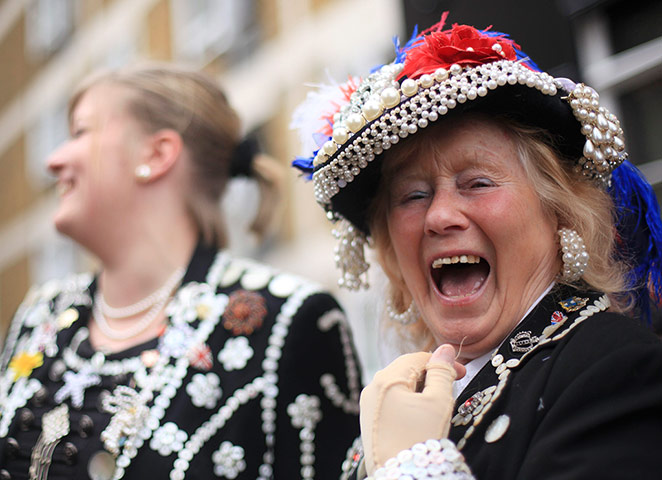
<point x="409" y="401"/>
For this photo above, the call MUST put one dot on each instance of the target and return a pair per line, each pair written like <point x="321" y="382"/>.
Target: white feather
<point x="307" y="116"/>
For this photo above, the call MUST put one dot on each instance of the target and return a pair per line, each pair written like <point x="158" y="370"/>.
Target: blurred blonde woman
<point x="175" y="360"/>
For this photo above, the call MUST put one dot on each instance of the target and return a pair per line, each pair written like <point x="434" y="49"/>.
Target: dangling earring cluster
<point x="407" y="317"/>
<point x="575" y="257"/>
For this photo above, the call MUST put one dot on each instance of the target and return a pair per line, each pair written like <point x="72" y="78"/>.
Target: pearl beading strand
<point x="407" y="317"/>
<point x="575" y="257"/>
<point x="327" y="381"/>
<point x="434" y="459"/>
<point x="150" y="300"/>
<point x="98" y="364"/>
<point x="134" y="330"/>
<point x="158" y="300"/>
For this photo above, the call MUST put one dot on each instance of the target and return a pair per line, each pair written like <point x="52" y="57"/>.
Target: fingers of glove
<point x="379" y="419"/>
<point x="446" y="353"/>
<point x="404" y="370"/>
<point x="440" y="374"/>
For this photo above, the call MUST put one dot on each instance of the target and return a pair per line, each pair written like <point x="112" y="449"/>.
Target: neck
<point x="135" y="268"/>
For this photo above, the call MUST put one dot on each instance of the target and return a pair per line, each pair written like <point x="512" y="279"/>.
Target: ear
<point x="162" y="150"/>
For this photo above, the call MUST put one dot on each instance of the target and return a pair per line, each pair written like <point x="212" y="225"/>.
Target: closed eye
<point x="78" y="132"/>
<point x="415" y="195"/>
<point x="481" y="182"/>
<point x="405" y="193"/>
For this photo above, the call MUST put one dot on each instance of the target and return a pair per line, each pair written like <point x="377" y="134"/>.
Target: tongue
<point x="461" y="280"/>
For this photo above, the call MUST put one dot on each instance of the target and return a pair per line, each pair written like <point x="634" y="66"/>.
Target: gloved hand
<point x="408" y="402"/>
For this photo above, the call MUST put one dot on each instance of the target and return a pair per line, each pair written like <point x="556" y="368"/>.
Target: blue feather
<point x="305" y="166"/>
<point x="320" y="138"/>
<point x="640" y="228"/>
<point x="401" y="52"/>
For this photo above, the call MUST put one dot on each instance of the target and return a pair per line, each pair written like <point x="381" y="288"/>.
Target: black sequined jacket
<point x="254" y="377"/>
<point x="574" y="392"/>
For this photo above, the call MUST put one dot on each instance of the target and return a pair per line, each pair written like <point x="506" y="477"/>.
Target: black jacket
<point x="573" y="393"/>
<point x="587" y="404"/>
<point x="257" y="379"/>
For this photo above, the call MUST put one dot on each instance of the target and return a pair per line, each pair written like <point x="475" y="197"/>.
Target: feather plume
<point x="640" y="234"/>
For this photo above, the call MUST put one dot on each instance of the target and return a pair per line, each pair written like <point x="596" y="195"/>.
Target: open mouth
<point x="63" y="187"/>
<point x="460" y="275"/>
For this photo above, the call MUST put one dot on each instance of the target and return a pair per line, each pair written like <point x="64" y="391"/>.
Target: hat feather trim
<point x="640" y="231"/>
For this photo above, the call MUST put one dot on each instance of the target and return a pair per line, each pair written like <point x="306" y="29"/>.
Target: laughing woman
<point x="177" y="360"/>
<point x="517" y="240"/>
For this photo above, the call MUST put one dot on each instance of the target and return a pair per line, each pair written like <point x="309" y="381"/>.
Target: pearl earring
<point x="575" y="257"/>
<point x="407" y="317"/>
<point x="143" y="172"/>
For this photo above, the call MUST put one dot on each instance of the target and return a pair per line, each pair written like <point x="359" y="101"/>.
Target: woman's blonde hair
<point x="189" y="102"/>
<point x="565" y="194"/>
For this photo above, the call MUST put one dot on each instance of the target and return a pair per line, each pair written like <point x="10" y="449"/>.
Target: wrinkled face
<point x="94" y="168"/>
<point x="471" y="240"/>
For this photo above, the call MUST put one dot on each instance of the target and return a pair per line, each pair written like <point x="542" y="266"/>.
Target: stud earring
<point x="143" y="172"/>
<point x="575" y="257"/>
<point x="407" y="317"/>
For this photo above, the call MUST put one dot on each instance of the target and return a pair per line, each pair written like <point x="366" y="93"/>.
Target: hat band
<point x="379" y="116"/>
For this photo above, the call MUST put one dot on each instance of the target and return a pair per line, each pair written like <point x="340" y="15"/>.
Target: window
<point x="50" y="130"/>
<point x="48" y="24"/>
<point x="206" y="29"/>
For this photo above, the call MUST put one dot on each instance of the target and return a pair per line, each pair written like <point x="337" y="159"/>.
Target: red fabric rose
<point x="461" y="44"/>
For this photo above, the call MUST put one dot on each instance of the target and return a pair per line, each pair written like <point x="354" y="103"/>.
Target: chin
<point x="65" y="225"/>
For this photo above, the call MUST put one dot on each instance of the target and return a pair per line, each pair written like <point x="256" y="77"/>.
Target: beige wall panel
<point x="14" y="284"/>
<point x="14" y="69"/>
<point x="159" y="28"/>
<point x="15" y="194"/>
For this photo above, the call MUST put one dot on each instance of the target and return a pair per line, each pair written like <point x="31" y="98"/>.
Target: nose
<point x="56" y="159"/>
<point x="445" y="214"/>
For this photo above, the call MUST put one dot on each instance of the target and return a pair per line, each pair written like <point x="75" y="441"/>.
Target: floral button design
<point x="200" y="357"/>
<point x="24" y="363"/>
<point x="235" y="353"/>
<point x="305" y="411"/>
<point x="67" y="318"/>
<point x="245" y="312"/>
<point x="176" y="340"/>
<point x="36" y="314"/>
<point x="204" y="390"/>
<point x="201" y="295"/>
<point x="168" y="438"/>
<point x="228" y="460"/>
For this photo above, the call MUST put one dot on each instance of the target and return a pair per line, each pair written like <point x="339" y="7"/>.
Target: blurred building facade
<point x="264" y="52"/>
<point x="261" y="51"/>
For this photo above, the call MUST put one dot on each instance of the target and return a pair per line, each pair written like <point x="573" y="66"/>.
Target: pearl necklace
<point x="145" y="321"/>
<point x="140" y="306"/>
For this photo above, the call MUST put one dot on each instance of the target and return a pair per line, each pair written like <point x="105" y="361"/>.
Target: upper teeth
<point x="63" y="187"/>
<point x="440" y="262"/>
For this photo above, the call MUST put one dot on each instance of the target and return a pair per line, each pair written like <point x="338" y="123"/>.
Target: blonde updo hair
<point x="189" y="102"/>
<point x="575" y="202"/>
